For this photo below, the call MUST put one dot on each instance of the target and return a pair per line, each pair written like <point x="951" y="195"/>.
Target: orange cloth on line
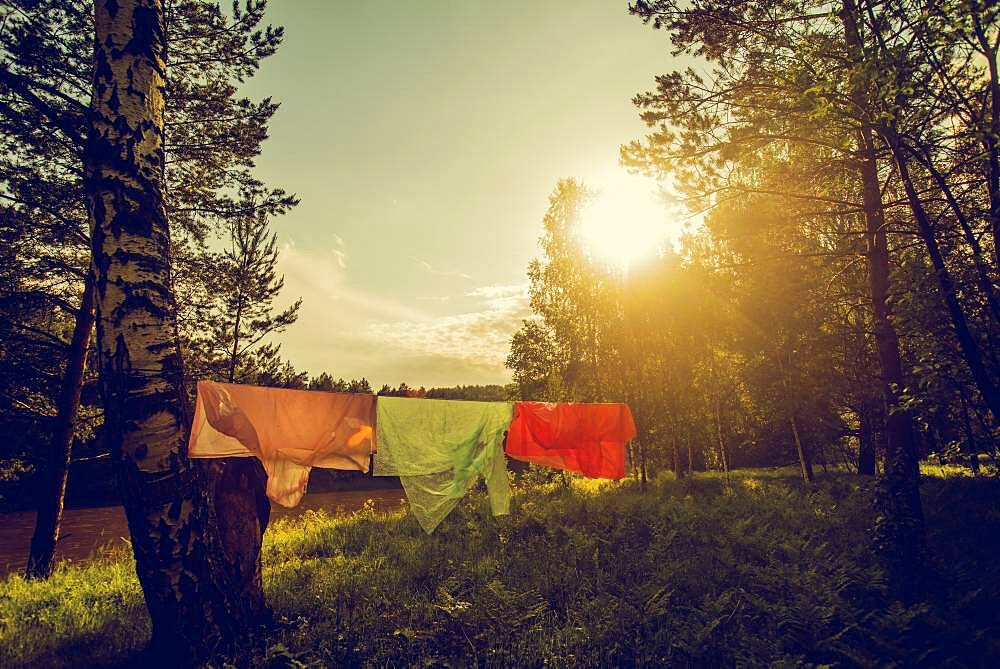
<point x="587" y="439"/>
<point x="290" y="431"/>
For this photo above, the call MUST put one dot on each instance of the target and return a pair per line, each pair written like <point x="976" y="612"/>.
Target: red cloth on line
<point x="587" y="439"/>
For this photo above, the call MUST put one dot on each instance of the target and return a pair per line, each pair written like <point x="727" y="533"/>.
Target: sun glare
<point x="625" y="223"/>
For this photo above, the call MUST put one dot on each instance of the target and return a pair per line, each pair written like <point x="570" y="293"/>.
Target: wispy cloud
<point x="351" y="328"/>
<point x="438" y="272"/>
<point x="493" y="292"/>
<point x="328" y="295"/>
<point x="502" y="298"/>
<point x="481" y="336"/>
<point x="339" y="251"/>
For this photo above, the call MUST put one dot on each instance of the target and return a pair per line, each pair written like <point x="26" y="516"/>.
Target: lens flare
<point x="625" y="223"/>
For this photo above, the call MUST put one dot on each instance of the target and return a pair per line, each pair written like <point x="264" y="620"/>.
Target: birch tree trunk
<point x="675" y="452"/>
<point x="50" y="507"/>
<point x="721" y="440"/>
<point x="805" y="462"/>
<point x="643" y="475"/>
<point x="197" y="550"/>
<point x="675" y="456"/>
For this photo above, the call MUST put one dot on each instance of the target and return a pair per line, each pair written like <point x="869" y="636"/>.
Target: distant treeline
<point x="285" y="376"/>
<point x="277" y="373"/>
<point x="486" y="393"/>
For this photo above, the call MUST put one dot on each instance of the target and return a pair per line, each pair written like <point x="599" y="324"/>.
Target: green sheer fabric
<point x="439" y="449"/>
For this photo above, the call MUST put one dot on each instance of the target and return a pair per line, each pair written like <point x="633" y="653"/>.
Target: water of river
<point x="84" y="531"/>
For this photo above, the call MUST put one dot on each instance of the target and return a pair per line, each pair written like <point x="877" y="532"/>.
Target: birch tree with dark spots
<point x="212" y="136"/>
<point x="197" y="554"/>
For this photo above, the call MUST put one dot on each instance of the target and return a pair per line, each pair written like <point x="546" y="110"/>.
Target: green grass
<point x="768" y="572"/>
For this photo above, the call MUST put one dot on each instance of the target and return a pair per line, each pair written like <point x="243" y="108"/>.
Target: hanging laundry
<point x="439" y="449"/>
<point x="587" y="439"/>
<point x="290" y="431"/>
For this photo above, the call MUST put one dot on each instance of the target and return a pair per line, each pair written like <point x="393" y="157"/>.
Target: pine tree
<point x="270" y="370"/>
<point x="243" y="316"/>
<point x="359" y="386"/>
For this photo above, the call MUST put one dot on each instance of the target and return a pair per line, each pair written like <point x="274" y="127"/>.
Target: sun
<point x="625" y="223"/>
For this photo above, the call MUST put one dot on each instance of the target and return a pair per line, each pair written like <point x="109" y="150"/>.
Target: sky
<point x="424" y="139"/>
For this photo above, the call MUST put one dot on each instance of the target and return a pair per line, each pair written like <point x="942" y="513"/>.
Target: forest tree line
<point x="837" y="305"/>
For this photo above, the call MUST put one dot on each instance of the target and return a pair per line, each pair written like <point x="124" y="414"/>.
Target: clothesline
<point x="439" y="449"/>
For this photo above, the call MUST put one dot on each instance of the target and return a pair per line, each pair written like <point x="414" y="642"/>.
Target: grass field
<point x="765" y="571"/>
